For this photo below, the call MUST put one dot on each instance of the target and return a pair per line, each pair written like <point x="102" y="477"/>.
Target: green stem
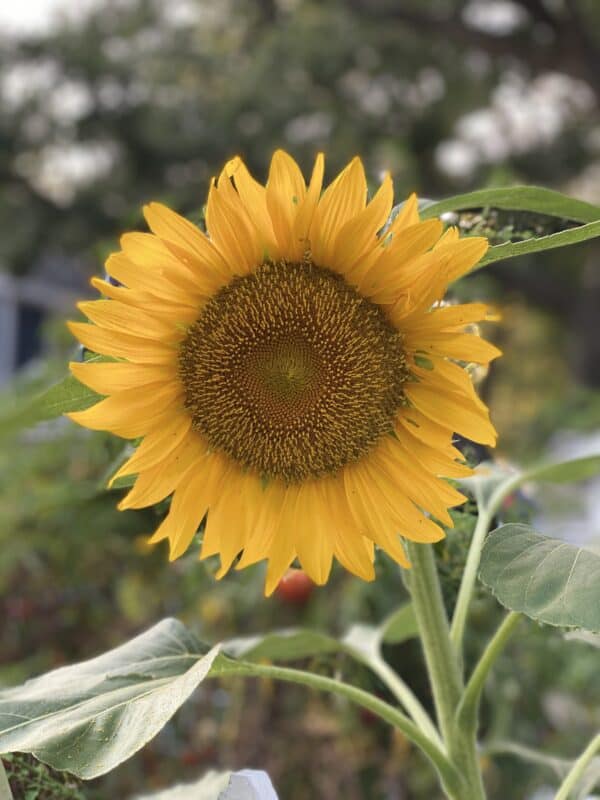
<point x="406" y="698"/>
<point x="443" y="668"/>
<point x="446" y="771"/>
<point x="577" y="770"/>
<point x="446" y="683"/>
<point x="5" y="792"/>
<point x="466" y="714"/>
<point x="529" y="755"/>
<point x="467" y="584"/>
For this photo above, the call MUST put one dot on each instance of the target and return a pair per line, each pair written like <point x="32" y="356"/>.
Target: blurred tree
<point x="140" y="99"/>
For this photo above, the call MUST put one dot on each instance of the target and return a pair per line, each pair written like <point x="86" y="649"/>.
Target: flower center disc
<point x="291" y="372"/>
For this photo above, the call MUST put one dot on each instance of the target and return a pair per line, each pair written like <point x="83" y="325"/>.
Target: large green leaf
<point x="518" y="198"/>
<point x="548" y="580"/>
<point x="89" y="717"/>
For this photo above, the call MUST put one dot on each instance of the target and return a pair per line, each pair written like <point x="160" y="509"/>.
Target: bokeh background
<point x="107" y="105"/>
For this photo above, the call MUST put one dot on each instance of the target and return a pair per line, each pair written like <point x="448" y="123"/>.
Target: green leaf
<point x="285" y="645"/>
<point x="67" y="395"/>
<point x="362" y="641"/>
<point x="400" y="626"/>
<point x="492" y="482"/>
<point x="548" y="580"/>
<point x="5" y="791"/>
<point x="532" y="199"/>
<point x="124" y="482"/>
<point x="89" y="717"/>
<point x="592" y="639"/>
<point x="291" y="644"/>
<point x="536" y="245"/>
<point x="577" y="469"/>
<point x="518" y="198"/>
<point x="209" y="787"/>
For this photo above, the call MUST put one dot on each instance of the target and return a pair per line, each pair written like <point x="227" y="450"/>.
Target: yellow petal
<point x="181" y="232"/>
<point x="254" y="200"/>
<point x="343" y="200"/>
<point x="424" y="428"/>
<point x="197" y="490"/>
<point x="113" y="315"/>
<point x="448" y="317"/>
<point x="232" y="518"/>
<point x="285" y="193"/>
<point x="108" y="343"/>
<point x="446" y="376"/>
<point x="394" y="473"/>
<point x="466" y="253"/>
<point x="263" y="534"/>
<point x="120" y="375"/>
<point x="355" y="553"/>
<point x="145" y="279"/>
<point x="157" y="482"/>
<point x="306" y="211"/>
<point x="230" y="229"/>
<point x="183" y="520"/>
<point x="282" y="551"/>
<point x="395" y="269"/>
<point x="462" y="346"/>
<point x="450" y="236"/>
<point x="130" y="413"/>
<point x="453" y="412"/>
<point x="373" y="513"/>
<point x="149" y="252"/>
<point x="433" y="460"/>
<point x="406" y="217"/>
<point x="161" y="308"/>
<point x="313" y="536"/>
<point x="359" y="235"/>
<point x="156" y="446"/>
<point x="419" y="483"/>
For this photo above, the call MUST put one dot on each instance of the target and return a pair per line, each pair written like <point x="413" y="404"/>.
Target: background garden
<point x="108" y="105"/>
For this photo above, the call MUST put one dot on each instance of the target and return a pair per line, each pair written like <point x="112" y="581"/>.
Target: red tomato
<point x="295" y="587"/>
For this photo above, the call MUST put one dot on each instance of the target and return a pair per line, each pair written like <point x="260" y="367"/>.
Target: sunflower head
<point x="293" y="371"/>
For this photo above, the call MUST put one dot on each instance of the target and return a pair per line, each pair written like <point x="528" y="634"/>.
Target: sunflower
<point x="293" y="373"/>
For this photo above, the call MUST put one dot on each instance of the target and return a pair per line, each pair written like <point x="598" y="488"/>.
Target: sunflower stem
<point x="467" y="584"/>
<point x="447" y="773"/>
<point x="446" y="683"/>
<point x="443" y="669"/>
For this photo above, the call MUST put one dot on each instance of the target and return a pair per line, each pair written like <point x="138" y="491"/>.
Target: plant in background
<point x="293" y="380"/>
